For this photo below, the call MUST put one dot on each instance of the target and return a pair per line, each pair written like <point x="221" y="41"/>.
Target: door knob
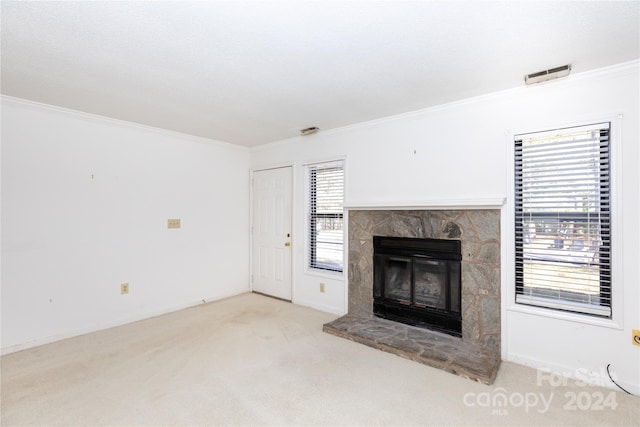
<point x="287" y="244"/>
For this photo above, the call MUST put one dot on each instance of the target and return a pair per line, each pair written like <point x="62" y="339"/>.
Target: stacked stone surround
<point x="479" y="233"/>
<point x="477" y="354"/>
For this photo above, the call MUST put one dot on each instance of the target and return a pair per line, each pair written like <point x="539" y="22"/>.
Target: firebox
<point x="418" y="282"/>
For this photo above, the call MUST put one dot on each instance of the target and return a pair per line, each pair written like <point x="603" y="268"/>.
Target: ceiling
<point x="253" y="72"/>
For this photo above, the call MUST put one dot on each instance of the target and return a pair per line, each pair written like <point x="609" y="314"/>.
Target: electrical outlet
<point x="124" y="288"/>
<point x="322" y="287"/>
<point x="635" y="337"/>
<point x="173" y="223"/>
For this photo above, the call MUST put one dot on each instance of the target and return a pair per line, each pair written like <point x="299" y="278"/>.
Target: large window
<point x="562" y="219"/>
<point x="326" y="222"/>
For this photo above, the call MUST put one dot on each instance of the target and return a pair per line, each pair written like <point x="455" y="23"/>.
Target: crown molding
<point x="117" y="122"/>
<point x="605" y="72"/>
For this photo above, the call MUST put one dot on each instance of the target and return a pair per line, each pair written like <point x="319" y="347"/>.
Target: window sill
<point x="566" y="316"/>
<point x="335" y="275"/>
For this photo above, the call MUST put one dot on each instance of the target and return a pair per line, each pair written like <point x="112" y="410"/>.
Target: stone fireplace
<point x="476" y="353"/>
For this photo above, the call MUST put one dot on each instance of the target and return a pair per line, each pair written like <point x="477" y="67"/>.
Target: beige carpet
<point x="253" y="360"/>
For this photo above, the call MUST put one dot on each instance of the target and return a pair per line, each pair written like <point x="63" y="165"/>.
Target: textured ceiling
<point x="250" y="72"/>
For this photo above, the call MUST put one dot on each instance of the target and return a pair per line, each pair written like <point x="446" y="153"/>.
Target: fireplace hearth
<point x="417" y="282"/>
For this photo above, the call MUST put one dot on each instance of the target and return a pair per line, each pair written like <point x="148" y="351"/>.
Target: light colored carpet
<point x="253" y="360"/>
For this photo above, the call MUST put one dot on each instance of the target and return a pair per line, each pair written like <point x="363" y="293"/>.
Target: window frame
<point x="559" y="306"/>
<point x="311" y="214"/>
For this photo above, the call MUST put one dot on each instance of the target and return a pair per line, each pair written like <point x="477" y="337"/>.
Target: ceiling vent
<point x="550" y="74"/>
<point x="309" y="131"/>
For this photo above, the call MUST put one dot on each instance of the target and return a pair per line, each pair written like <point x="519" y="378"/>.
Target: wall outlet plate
<point x="635" y="337"/>
<point x="173" y="223"/>
<point x="124" y="288"/>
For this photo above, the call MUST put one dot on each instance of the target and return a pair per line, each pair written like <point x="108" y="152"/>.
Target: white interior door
<point x="271" y="270"/>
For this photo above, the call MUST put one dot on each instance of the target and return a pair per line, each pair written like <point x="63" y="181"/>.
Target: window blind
<point x="326" y="222"/>
<point x="562" y="219"/>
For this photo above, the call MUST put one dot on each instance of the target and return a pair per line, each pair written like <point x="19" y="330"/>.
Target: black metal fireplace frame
<point x="447" y="251"/>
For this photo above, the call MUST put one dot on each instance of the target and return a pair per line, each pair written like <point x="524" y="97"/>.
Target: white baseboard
<point x="319" y="307"/>
<point x="598" y="378"/>
<point x="108" y="325"/>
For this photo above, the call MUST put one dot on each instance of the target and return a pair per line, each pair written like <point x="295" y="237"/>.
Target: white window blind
<point x="562" y="219"/>
<point x="326" y="222"/>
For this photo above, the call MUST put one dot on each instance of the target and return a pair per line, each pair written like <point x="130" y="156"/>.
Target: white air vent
<point x="550" y="74"/>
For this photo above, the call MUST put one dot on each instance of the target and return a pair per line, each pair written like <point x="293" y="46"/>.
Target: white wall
<point x="463" y="151"/>
<point x="85" y="203"/>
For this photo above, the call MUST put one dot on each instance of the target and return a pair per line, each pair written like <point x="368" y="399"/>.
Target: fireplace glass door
<point x="417" y="281"/>
<point x="398" y="275"/>
<point x="430" y="284"/>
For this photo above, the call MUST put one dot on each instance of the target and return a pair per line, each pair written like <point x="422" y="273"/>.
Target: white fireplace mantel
<point x="443" y="204"/>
